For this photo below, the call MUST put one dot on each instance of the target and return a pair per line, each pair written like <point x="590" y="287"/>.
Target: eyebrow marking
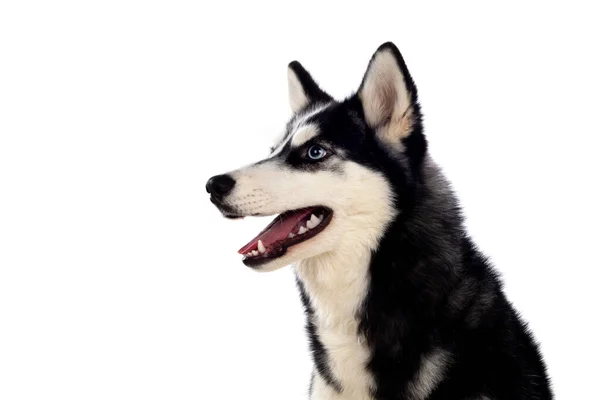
<point x="298" y="123"/>
<point x="304" y="134"/>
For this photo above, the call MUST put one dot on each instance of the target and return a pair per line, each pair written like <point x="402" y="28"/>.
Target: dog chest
<point x="335" y="292"/>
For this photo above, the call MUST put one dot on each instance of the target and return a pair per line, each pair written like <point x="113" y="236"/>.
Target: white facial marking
<point x="304" y="134"/>
<point x="333" y="265"/>
<point x="271" y="187"/>
<point x="299" y="122"/>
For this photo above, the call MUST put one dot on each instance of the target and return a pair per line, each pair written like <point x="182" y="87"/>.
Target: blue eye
<point x="316" y="152"/>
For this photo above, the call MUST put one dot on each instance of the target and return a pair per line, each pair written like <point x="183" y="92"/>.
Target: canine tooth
<point x="302" y="230"/>
<point x="315" y="220"/>
<point x="261" y="247"/>
<point x="254" y="253"/>
<point x="291" y="235"/>
<point x="312" y="222"/>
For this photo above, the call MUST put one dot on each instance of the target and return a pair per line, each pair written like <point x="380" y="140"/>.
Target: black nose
<point x="220" y="185"/>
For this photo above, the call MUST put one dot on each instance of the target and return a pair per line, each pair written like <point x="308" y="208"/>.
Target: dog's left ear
<point x="303" y="90"/>
<point x="389" y="96"/>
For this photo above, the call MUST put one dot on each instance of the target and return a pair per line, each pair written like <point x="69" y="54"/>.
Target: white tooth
<point x="314" y="220"/>
<point x="302" y="230"/>
<point x="254" y="253"/>
<point x="291" y="235"/>
<point x="309" y="224"/>
<point x="248" y="254"/>
<point x="261" y="247"/>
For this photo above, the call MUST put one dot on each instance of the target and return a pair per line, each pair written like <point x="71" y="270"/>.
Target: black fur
<point x="311" y="88"/>
<point x="430" y="287"/>
<point x="319" y="353"/>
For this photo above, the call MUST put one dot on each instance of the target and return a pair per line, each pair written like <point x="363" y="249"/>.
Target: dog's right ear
<point x="302" y="88"/>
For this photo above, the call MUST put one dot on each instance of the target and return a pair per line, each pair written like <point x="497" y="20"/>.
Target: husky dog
<point x="399" y="302"/>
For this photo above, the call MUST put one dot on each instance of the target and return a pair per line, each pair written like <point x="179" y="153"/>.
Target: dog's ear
<point x="389" y="96"/>
<point x="303" y="90"/>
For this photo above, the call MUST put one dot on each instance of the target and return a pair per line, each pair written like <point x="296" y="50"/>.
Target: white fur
<point x="431" y="372"/>
<point x="386" y="99"/>
<point x="333" y="265"/>
<point x="322" y="391"/>
<point x="298" y="99"/>
<point x="359" y="197"/>
<point x="300" y="121"/>
<point x="304" y="134"/>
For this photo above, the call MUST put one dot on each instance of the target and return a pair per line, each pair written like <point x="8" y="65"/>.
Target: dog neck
<point x="335" y="284"/>
<point x="338" y="287"/>
<point x="333" y="287"/>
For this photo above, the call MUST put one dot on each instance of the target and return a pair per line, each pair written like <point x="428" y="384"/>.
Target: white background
<point x="119" y="280"/>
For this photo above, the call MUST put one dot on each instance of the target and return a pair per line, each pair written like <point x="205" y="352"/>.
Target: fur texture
<point x="399" y="302"/>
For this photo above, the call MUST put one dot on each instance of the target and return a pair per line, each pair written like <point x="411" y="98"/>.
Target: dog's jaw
<point x="360" y="199"/>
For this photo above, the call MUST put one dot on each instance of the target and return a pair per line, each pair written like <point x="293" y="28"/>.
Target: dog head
<point x="341" y="172"/>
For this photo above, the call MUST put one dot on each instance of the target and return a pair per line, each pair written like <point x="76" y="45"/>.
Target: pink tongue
<point x="278" y="230"/>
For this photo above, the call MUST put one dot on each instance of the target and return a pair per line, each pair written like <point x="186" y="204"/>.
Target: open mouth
<point x="290" y="228"/>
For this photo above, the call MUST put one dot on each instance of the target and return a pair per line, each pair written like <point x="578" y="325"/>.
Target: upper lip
<point x="230" y="212"/>
<point x="226" y="210"/>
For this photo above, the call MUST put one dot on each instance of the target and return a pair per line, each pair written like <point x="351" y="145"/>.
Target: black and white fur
<point x="400" y="303"/>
